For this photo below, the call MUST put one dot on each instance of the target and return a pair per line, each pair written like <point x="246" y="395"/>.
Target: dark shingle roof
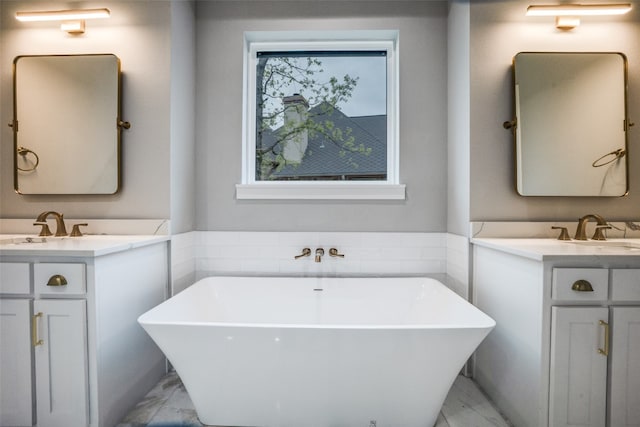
<point x="322" y="159"/>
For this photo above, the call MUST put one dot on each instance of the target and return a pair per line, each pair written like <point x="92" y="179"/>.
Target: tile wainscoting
<point x="199" y="254"/>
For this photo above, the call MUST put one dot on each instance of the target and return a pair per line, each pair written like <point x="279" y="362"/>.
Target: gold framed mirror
<point x="67" y="124"/>
<point x="570" y="127"/>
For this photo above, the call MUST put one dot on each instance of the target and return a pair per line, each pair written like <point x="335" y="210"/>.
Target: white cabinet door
<point x="625" y="368"/>
<point x="578" y="377"/>
<point x="16" y="396"/>
<point x="61" y="363"/>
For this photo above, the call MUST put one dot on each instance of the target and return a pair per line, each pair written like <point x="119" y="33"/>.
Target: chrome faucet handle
<point x="564" y="233"/>
<point x="75" y="230"/>
<point x="305" y="252"/>
<point x="334" y="252"/>
<point x="44" y="231"/>
<point x="599" y="234"/>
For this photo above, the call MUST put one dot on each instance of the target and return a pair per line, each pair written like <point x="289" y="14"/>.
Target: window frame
<point x="261" y="41"/>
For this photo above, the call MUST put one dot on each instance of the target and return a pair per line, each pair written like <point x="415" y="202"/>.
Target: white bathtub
<point x="317" y="352"/>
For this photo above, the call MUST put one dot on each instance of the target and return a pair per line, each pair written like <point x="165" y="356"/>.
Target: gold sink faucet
<point x="601" y="224"/>
<point x="61" y="230"/>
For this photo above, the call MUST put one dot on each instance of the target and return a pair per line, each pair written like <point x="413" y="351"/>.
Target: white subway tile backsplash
<point x="272" y="253"/>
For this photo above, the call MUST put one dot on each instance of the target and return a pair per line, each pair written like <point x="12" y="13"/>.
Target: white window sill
<point x="320" y="191"/>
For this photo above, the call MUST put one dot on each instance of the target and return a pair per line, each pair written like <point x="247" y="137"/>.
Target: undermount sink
<point x="635" y="245"/>
<point x="26" y="240"/>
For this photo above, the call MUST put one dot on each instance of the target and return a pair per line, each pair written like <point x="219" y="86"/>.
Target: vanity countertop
<point x="84" y="246"/>
<point x="545" y="249"/>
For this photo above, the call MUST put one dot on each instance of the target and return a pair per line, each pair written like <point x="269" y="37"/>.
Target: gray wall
<point x="458" y="118"/>
<point x="456" y="158"/>
<point x="138" y="32"/>
<point x="499" y="30"/>
<point x="220" y="27"/>
<point x="182" y="123"/>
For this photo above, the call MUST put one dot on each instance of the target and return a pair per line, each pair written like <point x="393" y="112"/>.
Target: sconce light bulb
<point x="579" y="9"/>
<point x="63" y="15"/>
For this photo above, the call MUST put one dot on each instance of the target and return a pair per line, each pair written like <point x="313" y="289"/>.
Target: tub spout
<point x="319" y="253"/>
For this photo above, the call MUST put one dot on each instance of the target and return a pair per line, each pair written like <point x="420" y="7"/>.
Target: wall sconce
<point x="568" y="15"/>
<point x="72" y="20"/>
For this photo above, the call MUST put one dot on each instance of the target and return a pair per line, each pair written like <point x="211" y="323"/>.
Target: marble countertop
<point x="542" y="249"/>
<point x="84" y="246"/>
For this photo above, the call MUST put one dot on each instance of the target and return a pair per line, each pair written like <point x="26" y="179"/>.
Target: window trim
<point x="255" y="41"/>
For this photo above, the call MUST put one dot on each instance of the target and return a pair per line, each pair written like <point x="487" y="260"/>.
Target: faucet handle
<point x="75" y="230"/>
<point x="599" y="235"/>
<point x="305" y="252"/>
<point x="334" y="252"/>
<point x="564" y="234"/>
<point x="44" y="231"/>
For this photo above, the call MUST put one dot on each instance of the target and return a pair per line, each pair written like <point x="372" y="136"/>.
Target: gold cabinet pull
<point x="582" y="286"/>
<point x="57" y="280"/>
<point x="604" y="351"/>
<point x="34" y="330"/>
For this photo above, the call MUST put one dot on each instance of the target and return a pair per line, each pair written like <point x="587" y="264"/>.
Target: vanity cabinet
<point x="578" y="376"/>
<point x="57" y="331"/>
<point x="60" y="347"/>
<point x="16" y="395"/>
<point x="563" y="353"/>
<point x="72" y="353"/>
<point x="584" y="341"/>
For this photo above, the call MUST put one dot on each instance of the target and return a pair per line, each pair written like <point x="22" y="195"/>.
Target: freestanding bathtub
<point x="317" y="352"/>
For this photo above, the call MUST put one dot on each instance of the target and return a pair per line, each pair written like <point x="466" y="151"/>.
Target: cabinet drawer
<point x="45" y="275"/>
<point x="625" y="284"/>
<point x="14" y="278"/>
<point x="565" y="278"/>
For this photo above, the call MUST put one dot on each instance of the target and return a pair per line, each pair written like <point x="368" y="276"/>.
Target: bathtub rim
<point x="488" y="322"/>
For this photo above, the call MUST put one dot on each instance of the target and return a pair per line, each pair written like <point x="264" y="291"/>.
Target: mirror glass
<point x="67" y="124"/>
<point x="570" y="124"/>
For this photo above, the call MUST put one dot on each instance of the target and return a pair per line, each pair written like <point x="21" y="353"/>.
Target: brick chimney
<point x="296" y="110"/>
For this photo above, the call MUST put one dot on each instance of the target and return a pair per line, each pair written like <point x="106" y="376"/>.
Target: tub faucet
<point x="319" y="253"/>
<point x="582" y="227"/>
<point x="61" y="230"/>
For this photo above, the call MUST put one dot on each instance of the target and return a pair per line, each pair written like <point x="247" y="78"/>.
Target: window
<point x="320" y="116"/>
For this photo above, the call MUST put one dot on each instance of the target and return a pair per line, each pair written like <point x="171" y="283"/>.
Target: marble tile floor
<point x="168" y="405"/>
